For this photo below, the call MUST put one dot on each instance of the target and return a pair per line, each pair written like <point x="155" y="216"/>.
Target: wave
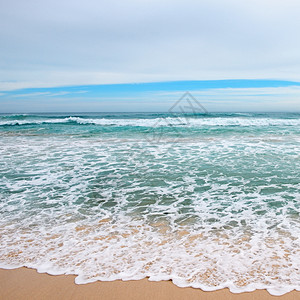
<point x="21" y="120"/>
<point x="18" y="122"/>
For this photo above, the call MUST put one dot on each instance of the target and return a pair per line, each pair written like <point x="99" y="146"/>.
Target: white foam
<point x="109" y="251"/>
<point x="189" y="212"/>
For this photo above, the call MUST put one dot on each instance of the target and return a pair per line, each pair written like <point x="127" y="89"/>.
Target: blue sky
<point x="110" y="55"/>
<point x="215" y="95"/>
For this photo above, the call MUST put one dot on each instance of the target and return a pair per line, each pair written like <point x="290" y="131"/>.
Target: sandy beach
<point x="26" y="283"/>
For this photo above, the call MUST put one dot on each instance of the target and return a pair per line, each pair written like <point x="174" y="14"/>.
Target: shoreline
<point x="24" y="283"/>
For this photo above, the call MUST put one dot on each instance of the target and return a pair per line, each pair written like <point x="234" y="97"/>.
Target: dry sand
<point x="26" y="283"/>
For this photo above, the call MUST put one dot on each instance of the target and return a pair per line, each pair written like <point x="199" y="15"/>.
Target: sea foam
<point x="211" y="211"/>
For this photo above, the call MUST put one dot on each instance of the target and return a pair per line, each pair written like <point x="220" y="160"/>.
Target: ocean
<point x="206" y="200"/>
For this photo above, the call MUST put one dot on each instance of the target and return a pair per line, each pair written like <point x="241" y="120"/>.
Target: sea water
<point x="207" y="200"/>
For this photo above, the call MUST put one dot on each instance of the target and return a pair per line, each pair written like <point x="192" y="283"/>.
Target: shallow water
<point x="209" y="201"/>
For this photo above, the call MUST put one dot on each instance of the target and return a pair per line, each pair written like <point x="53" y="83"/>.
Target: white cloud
<point x="58" y="43"/>
<point x="46" y="94"/>
<point x="243" y="92"/>
<point x="243" y="99"/>
<point x="29" y="95"/>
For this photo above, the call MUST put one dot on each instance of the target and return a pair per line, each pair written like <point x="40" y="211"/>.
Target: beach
<point x="149" y="150"/>
<point x="26" y="283"/>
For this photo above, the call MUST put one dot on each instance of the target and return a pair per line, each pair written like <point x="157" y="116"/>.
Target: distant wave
<point x="21" y="120"/>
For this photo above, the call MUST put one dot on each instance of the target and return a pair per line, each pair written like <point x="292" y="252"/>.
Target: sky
<point x="102" y="55"/>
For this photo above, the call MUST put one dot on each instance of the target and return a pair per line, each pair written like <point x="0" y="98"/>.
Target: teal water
<point x="207" y="200"/>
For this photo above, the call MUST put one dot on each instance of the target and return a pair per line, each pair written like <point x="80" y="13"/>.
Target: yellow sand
<point x="26" y="283"/>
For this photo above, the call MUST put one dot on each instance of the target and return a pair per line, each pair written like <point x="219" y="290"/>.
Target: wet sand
<point x="26" y="283"/>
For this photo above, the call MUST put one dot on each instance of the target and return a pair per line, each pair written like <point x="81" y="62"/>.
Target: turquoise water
<point x="207" y="200"/>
